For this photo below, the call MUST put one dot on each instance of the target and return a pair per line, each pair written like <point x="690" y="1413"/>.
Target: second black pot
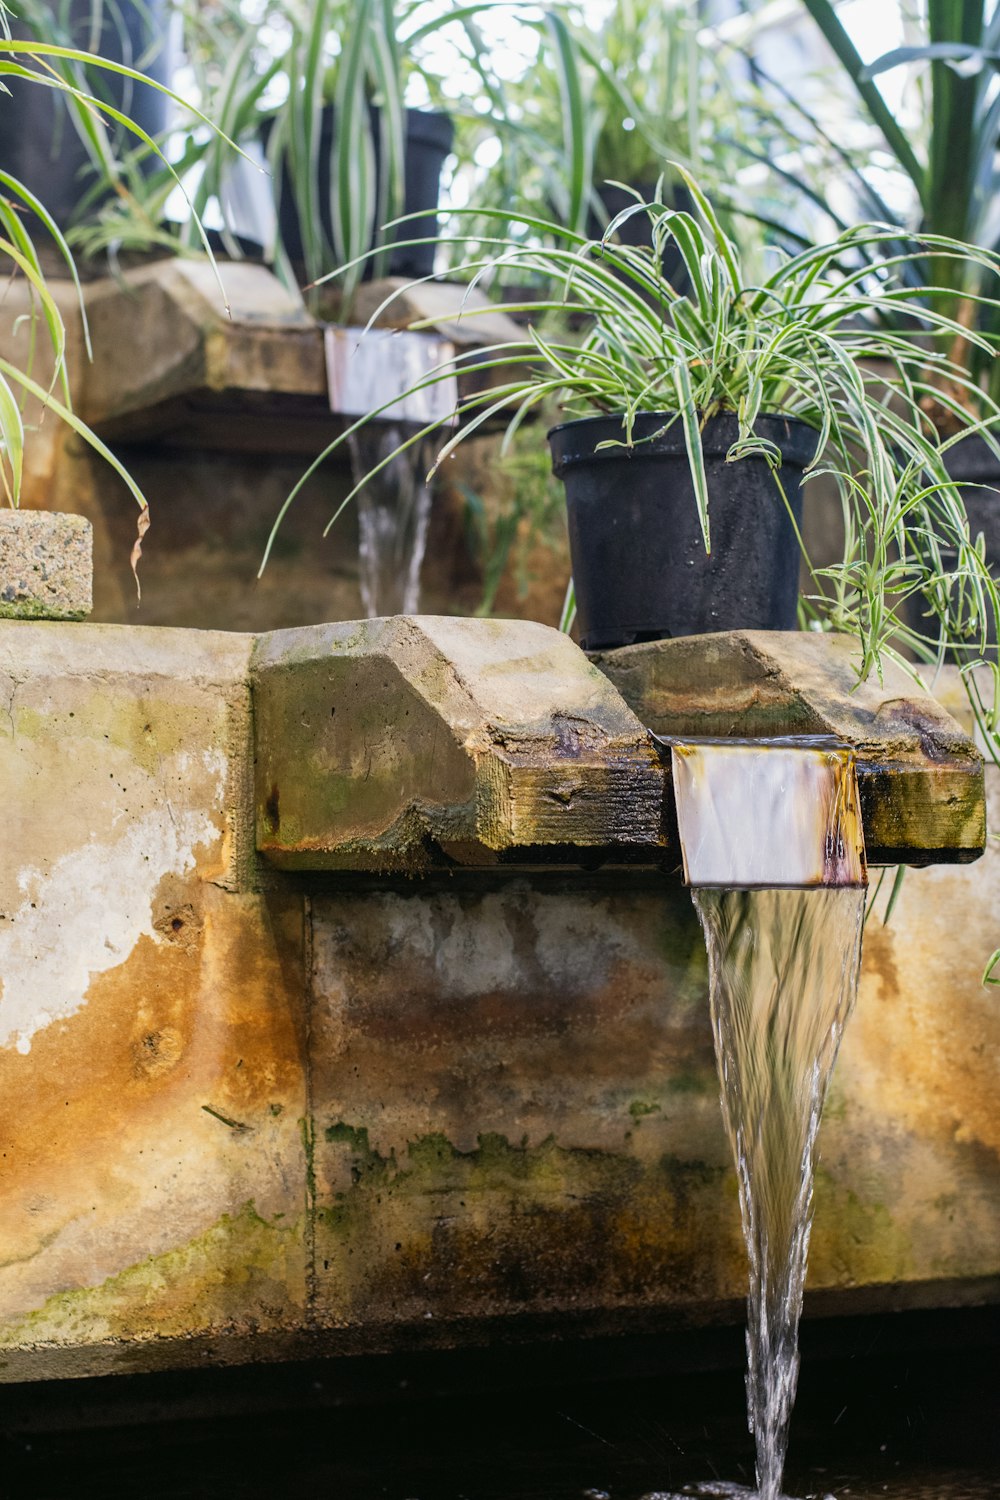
<point x="637" y="231"/>
<point x="39" y="144"/>
<point x="429" y="135"/>
<point x="640" y="569"/>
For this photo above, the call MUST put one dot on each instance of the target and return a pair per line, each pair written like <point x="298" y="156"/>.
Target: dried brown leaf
<point x="141" y="527"/>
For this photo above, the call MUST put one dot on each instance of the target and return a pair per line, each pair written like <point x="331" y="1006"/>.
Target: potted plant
<point x="323" y="86"/>
<point x="657" y="95"/>
<point x="603" y="112"/>
<point x="719" y="401"/>
<point x="60" y="148"/>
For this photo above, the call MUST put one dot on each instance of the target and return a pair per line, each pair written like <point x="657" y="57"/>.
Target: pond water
<point x="891" y="1407"/>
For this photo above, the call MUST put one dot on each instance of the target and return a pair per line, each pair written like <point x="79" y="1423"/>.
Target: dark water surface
<point x="903" y="1407"/>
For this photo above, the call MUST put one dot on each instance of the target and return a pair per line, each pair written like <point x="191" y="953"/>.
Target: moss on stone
<point x="37" y="609"/>
<point x="241" y="1271"/>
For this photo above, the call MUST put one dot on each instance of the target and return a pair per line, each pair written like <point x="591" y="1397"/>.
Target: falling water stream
<point x="783" y="974"/>
<point x="394" y="510"/>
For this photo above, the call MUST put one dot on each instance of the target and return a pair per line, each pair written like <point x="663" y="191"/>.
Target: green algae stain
<point x="363" y="1180"/>
<point x="146" y="732"/>
<point x="37" y="609"/>
<point x="244" y="1271"/>
<point x="704" y="1082"/>
<point x="506" y="1223"/>
<point x="859" y="1231"/>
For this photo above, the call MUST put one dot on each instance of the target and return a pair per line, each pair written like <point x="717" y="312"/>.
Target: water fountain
<point x="468" y="1108"/>
<point x="365" y="369"/>
<point x="773" y="850"/>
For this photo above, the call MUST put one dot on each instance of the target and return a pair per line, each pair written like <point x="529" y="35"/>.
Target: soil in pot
<point x="39" y="144"/>
<point x="640" y="568"/>
<point x="429" y="135"/>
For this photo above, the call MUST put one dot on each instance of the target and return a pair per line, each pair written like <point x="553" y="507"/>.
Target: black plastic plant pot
<point x="39" y="144"/>
<point x="429" y="135"/>
<point x="976" y="470"/>
<point x="973" y="466"/>
<point x="640" y="569"/>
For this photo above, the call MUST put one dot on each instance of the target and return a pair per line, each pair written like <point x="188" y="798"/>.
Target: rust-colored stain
<point x="109" y="1161"/>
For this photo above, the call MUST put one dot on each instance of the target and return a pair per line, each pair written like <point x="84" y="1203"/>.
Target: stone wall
<point x="250" y="1112"/>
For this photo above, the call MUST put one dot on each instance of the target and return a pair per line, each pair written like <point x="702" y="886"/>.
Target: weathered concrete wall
<point x="151" y="1006"/>
<point x="248" y="1112"/>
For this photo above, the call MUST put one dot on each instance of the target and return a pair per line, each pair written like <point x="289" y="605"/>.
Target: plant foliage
<point x="65" y="70"/>
<point x="805" y="340"/>
<point x="951" y="164"/>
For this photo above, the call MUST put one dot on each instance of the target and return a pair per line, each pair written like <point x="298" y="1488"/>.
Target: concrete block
<point x="397" y="744"/>
<point x="46" y="565"/>
<point x="205" y="371"/>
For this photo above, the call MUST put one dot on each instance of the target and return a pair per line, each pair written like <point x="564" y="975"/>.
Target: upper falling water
<point x="394" y="510"/>
<point x="407" y="380"/>
<point x="772" y="843"/>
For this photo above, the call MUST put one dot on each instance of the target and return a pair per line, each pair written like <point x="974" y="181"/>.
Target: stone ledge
<point x="920" y="776"/>
<point x="403" y="743"/>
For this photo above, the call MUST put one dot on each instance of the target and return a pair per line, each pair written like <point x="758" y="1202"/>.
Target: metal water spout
<point x="774" y="814"/>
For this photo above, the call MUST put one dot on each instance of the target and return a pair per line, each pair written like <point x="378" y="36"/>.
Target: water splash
<point x="394" y="510"/>
<point x="715" y="1490"/>
<point x="783" y="972"/>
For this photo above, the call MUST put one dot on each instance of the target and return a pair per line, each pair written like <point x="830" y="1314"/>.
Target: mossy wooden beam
<point x="414" y="743"/>
<point x="920" y="776"/>
<point x="409" y="743"/>
<point x="252" y="378"/>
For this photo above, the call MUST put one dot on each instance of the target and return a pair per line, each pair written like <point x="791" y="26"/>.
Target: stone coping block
<point x="920" y="776"/>
<point x="420" y="742"/>
<point x="396" y="744"/>
<point x="46" y="565"/>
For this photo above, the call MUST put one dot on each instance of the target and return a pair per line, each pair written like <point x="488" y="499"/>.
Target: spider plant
<point x="51" y="66"/>
<point x="950" y="164"/>
<point x="800" y="341"/>
<point x="300" y="60"/>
